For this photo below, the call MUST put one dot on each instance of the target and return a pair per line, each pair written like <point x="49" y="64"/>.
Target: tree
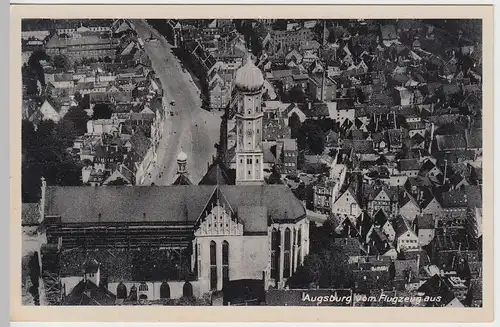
<point x="102" y="111"/>
<point x="312" y="136"/>
<point x="275" y="177"/>
<point x="61" y="62"/>
<point x="297" y="95"/>
<point x="44" y="153"/>
<point x="326" y="266"/>
<point x="78" y="117"/>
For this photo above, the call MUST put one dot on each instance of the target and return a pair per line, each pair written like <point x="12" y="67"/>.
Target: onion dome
<point x="249" y="78"/>
<point x="182" y="156"/>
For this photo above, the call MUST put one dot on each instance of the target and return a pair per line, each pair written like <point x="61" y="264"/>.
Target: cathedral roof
<point x="249" y="77"/>
<point x="164" y="204"/>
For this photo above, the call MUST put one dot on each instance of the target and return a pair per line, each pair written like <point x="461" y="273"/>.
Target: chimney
<point x="432" y="137"/>
<point x="418" y="262"/>
<point x="309" y="105"/>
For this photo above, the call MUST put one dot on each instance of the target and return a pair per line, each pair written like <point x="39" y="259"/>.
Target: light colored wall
<point x="153" y="292"/>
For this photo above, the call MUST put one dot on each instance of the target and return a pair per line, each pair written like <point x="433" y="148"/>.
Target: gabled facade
<point x="347" y="204"/>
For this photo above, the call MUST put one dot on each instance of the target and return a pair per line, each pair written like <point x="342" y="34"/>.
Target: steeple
<point x="182" y="170"/>
<point x="249" y="155"/>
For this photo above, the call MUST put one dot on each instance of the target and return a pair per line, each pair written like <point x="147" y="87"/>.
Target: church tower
<point x="249" y="154"/>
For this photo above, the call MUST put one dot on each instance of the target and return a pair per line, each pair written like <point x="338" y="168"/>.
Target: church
<point x="161" y="242"/>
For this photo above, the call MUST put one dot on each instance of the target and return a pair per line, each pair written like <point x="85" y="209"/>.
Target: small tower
<point x="182" y="179"/>
<point x="182" y="163"/>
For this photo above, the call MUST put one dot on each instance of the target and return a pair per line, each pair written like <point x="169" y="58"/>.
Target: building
<point x="249" y="150"/>
<point x="207" y="235"/>
<point x="287" y="152"/>
<point x="82" y="45"/>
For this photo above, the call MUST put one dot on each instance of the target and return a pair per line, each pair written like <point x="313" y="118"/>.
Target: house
<point x="324" y="194"/>
<point x="287" y="152"/>
<point x="381" y="197"/>
<point x="409" y="167"/>
<point x="435" y="287"/>
<point x="451" y="142"/>
<point x="395" y="139"/>
<point x="406" y="239"/>
<point x="378" y="244"/>
<point x="425" y="225"/>
<point x="347" y="204"/>
<point x="408" y="207"/>
<point x="381" y="221"/>
<point x="291" y="110"/>
<point x="389" y="35"/>
<point x="49" y="110"/>
<point x="317" y="84"/>
<point x="406" y="274"/>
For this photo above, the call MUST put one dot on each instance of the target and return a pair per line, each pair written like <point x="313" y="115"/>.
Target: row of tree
<point x="326" y="266"/>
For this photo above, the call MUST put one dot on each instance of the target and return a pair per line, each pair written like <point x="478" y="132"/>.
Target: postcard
<point x="251" y="163"/>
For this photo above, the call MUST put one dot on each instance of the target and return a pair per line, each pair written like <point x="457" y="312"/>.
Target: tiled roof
<point x="425" y="221"/>
<point x="451" y="142"/>
<point x="400" y="226"/>
<point x="162" y="204"/>
<point x="408" y="164"/>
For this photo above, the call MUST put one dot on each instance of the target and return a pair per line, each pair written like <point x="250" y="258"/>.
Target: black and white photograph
<point x="252" y="162"/>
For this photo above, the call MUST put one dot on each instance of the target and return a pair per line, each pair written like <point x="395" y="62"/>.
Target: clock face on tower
<point x="249" y="132"/>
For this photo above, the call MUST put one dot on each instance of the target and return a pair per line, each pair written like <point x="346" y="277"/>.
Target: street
<point x="191" y="128"/>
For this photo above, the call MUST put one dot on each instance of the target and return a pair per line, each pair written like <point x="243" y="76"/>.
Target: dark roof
<point x="218" y="174"/>
<point x="182" y="180"/>
<point x="425" y="221"/>
<point x="435" y="286"/>
<point x="87" y="293"/>
<point x="474" y="138"/>
<point x="126" y="204"/>
<point x="451" y="142"/>
<point x="408" y="164"/>
<point x="400" y="226"/>
<point x="91" y="266"/>
<point x="404" y="266"/>
<point x="30" y="214"/>
<point x="380" y="218"/>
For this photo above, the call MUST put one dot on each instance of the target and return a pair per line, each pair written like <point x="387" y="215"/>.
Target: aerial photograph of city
<point x="252" y="162"/>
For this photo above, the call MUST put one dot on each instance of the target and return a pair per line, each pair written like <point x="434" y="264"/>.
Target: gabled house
<point x="381" y="221"/>
<point x="347" y="204"/>
<point x="381" y="197"/>
<point x="408" y="207"/>
<point x="409" y="167"/>
<point x="406" y="239"/>
<point x="47" y="111"/>
<point x="425" y="226"/>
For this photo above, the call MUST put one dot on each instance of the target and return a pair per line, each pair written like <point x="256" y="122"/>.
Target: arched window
<point x="143" y="287"/>
<point x="299" y="246"/>
<point x="164" y="291"/>
<point x="275" y="253"/>
<point x="133" y="293"/>
<point x="213" y="265"/>
<point x="121" y="291"/>
<point x="187" y="289"/>
<point x="225" y="262"/>
<point x="286" y="261"/>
